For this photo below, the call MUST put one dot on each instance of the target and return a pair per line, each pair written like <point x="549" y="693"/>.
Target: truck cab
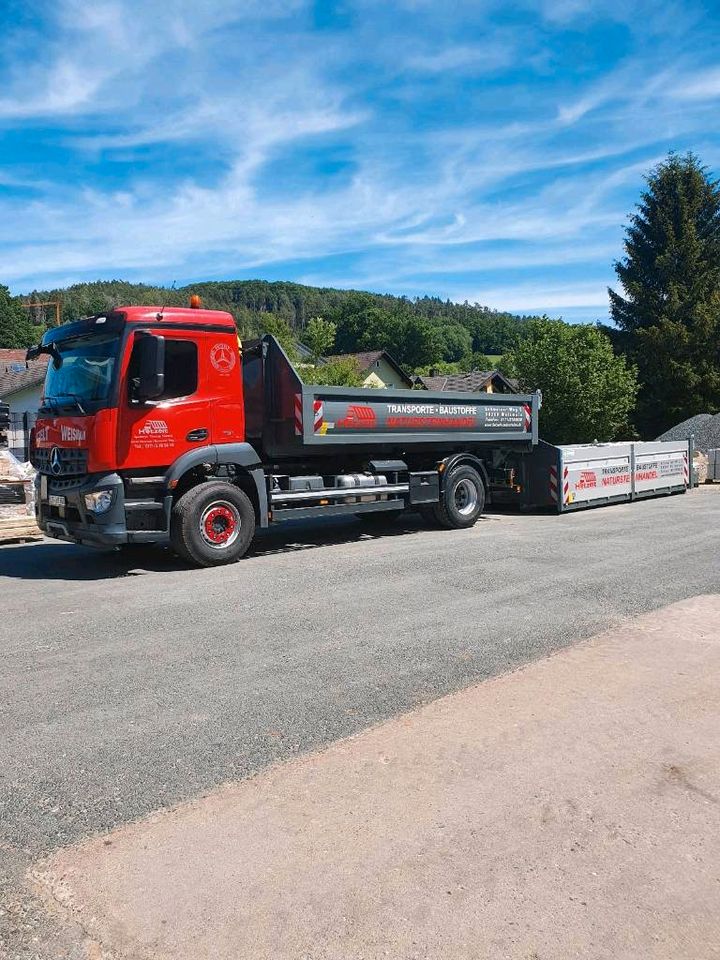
<point x="129" y="394"/>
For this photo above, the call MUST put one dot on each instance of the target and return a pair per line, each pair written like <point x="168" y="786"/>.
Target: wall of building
<point x="382" y="374"/>
<point x="26" y="400"/>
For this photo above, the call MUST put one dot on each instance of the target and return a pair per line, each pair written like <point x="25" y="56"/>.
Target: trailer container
<point x="572" y="477"/>
<point x="288" y="419"/>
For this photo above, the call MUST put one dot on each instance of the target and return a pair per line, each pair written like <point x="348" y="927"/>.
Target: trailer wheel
<point x="462" y="499"/>
<point x="213" y="523"/>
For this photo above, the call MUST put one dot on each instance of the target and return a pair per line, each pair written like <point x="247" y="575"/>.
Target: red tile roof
<point x="10" y="381"/>
<point x="472" y="382"/>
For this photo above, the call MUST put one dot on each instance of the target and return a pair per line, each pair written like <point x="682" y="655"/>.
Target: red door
<point x="201" y="404"/>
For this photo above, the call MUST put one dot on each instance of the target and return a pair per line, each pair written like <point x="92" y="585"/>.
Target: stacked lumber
<point x="13" y="529"/>
<point x="17" y="500"/>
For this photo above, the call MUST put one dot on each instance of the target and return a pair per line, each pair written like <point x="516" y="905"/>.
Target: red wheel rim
<point x="219" y="524"/>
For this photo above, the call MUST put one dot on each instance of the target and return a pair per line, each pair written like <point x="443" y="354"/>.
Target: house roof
<point x="365" y="359"/>
<point x="29" y="376"/>
<point x="472" y="382"/>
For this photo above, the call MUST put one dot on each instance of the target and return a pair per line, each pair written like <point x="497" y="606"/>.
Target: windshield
<point x="84" y="378"/>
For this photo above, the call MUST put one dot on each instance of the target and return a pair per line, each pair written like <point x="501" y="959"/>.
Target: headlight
<point x="99" y="502"/>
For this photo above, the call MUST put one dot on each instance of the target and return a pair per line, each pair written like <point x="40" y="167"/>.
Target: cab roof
<point x="189" y="315"/>
<point x="114" y="321"/>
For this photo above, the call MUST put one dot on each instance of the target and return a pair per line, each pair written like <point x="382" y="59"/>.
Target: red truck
<point x="158" y="425"/>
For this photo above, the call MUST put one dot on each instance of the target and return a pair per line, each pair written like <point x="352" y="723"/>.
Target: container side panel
<point x="595" y="473"/>
<point x="283" y="388"/>
<point x="661" y="466"/>
<point x="369" y="416"/>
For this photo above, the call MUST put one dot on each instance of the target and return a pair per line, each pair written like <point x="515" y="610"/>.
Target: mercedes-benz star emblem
<point x="55" y="461"/>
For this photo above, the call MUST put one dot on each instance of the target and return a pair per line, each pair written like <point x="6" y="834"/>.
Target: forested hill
<point x="418" y="331"/>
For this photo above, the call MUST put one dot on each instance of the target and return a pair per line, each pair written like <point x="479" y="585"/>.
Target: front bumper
<point x="71" y="520"/>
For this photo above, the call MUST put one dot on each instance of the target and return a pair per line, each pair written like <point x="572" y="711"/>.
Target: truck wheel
<point x="212" y="524"/>
<point x="462" y="499"/>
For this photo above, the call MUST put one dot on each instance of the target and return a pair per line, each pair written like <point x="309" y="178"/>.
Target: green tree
<point x="319" y="336"/>
<point x="480" y="361"/>
<point x="16" y="329"/>
<point x="457" y="343"/>
<point x="280" y="329"/>
<point x="669" y="316"/>
<point x="338" y="373"/>
<point x="588" y="392"/>
<point x="418" y="342"/>
<point x="440" y="368"/>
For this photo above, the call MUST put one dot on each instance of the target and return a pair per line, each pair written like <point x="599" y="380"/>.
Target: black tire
<point x="462" y="499"/>
<point x="378" y="518"/>
<point x="212" y="524"/>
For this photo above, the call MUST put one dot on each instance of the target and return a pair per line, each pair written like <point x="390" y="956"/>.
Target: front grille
<point x="55" y="484"/>
<point x="72" y="514"/>
<point x="73" y="462"/>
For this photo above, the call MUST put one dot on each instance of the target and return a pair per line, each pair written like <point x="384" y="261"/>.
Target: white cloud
<point x="477" y="58"/>
<point x="701" y="86"/>
<point x="539" y="298"/>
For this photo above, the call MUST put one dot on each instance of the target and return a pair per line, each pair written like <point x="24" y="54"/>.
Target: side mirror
<point x="150" y="383"/>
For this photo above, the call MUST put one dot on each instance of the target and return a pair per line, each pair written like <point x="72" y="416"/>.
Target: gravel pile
<point x="705" y="427"/>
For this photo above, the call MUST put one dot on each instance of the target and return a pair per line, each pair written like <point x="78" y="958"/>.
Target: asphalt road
<point x="125" y="688"/>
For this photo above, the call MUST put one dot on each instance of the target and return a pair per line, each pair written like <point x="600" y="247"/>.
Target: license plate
<point x="55" y="501"/>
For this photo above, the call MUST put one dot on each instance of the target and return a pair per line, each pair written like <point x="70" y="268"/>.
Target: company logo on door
<point x="154" y="433"/>
<point x="153" y="428"/>
<point x="222" y="358"/>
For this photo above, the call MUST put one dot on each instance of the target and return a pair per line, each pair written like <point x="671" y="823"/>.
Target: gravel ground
<point x="127" y="689"/>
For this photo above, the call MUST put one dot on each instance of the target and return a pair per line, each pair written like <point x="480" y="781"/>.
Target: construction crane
<point x="47" y="303"/>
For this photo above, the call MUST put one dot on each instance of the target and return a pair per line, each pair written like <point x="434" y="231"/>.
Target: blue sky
<point x="474" y="150"/>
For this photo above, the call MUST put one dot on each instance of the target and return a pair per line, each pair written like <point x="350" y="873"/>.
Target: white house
<point x="21" y="386"/>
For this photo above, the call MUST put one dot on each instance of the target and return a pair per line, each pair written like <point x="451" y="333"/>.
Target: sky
<point x="474" y="150"/>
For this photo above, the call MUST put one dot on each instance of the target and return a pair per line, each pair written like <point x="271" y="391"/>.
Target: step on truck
<point x="158" y="425"/>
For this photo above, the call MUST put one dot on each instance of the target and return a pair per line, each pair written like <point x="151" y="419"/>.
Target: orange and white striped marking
<point x="298" y="415"/>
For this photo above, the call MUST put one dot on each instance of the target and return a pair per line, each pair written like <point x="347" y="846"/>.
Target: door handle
<point x="200" y="433"/>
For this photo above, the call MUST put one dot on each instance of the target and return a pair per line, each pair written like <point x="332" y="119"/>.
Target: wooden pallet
<point x="18" y="528"/>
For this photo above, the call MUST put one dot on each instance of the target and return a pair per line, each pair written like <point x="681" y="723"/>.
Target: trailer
<point x="573" y="477"/>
